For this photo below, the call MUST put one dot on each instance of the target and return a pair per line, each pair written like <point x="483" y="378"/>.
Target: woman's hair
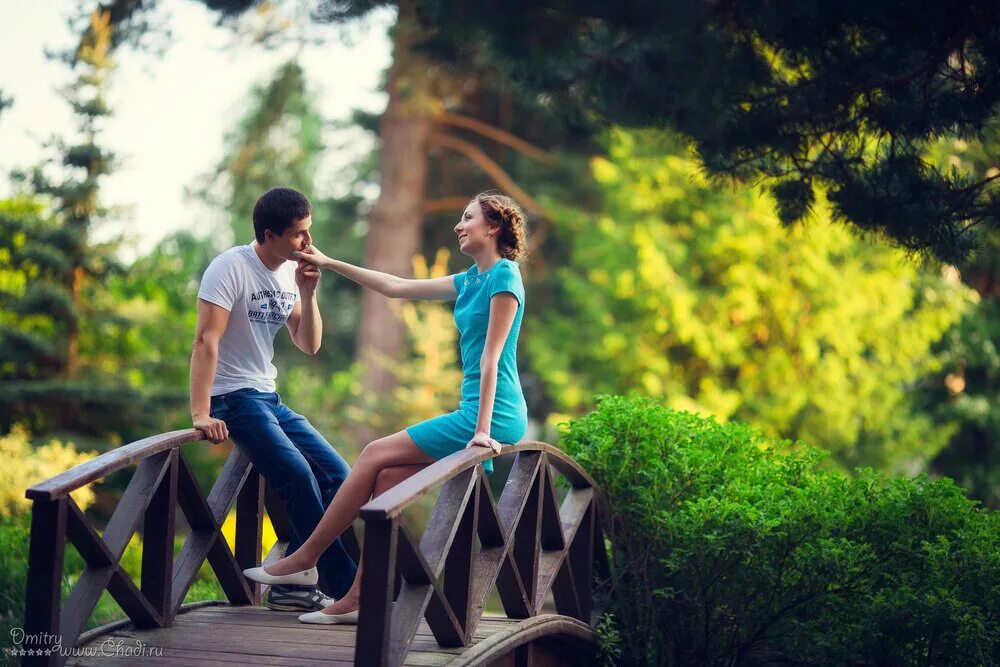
<point x="502" y="211"/>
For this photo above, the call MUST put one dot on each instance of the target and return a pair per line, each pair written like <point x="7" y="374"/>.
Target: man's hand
<point x="481" y="439"/>
<point x="214" y="429"/>
<point x="307" y="276"/>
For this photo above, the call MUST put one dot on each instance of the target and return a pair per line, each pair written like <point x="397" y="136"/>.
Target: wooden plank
<point x="135" y="605"/>
<point x="234" y="472"/>
<point x="95" y="579"/>
<point x="565" y="593"/>
<point x="376" y="590"/>
<point x="571" y="514"/>
<point x="488" y="526"/>
<point x="392" y="502"/>
<point x="552" y="531"/>
<point x="527" y="537"/>
<point x="158" y="530"/>
<point x="425" y="598"/>
<point x="109" y="462"/>
<point x="188" y="562"/>
<point x="209" y="643"/>
<point x="493" y="564"/>
<point x="204" y="517"/>
<point x="581" y="559"/>
<point x="250" y="527"/>
<point x="46" y="547"/>
<point x="577" y="638"/>
<point x="221" y="616"/>
<point x="129" y="510"/>
<point x="444" y="521"/>
<point x="458" y="564"/>
<point x="276" y="512"/>
<point x="86" y="540"/>
<point x="179" y="658"/>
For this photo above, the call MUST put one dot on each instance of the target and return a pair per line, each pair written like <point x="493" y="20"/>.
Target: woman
<point x="488" y="311"/>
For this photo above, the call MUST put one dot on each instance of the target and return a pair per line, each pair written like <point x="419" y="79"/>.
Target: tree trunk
<point x="395" y="221"/>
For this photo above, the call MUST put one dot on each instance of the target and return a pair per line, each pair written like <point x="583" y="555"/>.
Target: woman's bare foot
<point x="350" y="602"/>
<point x="289" y="565"/>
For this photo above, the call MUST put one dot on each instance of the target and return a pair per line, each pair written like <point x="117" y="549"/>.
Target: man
<point x="246" y="295"/>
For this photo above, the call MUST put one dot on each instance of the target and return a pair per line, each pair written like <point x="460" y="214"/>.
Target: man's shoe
<point x="319" y="618"/>
<point x="297" y="599"/>
<point x="308" y="577"/>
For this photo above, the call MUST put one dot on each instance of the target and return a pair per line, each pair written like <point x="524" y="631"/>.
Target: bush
<point x="729" y="548"/>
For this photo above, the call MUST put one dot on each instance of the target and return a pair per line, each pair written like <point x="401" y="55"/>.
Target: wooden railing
<point x="529" y="545"/>
<point x="162" y="481"/>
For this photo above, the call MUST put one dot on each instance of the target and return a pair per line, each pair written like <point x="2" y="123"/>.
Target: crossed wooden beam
<point x="528" y="546"/>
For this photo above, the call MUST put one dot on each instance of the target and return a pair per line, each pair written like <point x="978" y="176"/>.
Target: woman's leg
<point x="386" y="479"/>
<point x="395" y="450"/>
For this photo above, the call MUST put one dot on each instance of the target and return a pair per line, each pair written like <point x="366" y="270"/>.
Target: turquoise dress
<point x="450" y="433"/>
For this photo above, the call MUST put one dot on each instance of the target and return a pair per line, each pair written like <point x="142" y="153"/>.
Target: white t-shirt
<point x="259" y="302"/>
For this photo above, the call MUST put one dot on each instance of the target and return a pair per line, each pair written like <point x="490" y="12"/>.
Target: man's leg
<point x="255" y="429"/>
<point x="336" y="567"/>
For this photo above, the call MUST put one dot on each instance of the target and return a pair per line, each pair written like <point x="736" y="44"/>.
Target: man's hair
<point x="277" y="210"/>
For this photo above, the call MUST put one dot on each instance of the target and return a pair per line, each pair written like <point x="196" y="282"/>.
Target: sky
<point x="172" y="111"/>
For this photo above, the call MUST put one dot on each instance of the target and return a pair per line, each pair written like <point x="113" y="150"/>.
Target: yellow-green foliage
<point x="24" y="465"/>
<point x="698" y="294"/>
<point x="429" y="381"/>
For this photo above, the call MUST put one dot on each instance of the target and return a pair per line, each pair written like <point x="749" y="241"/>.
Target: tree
<point x="276" y="142"/>
<point x="421" y="121"/>
<point x="845" y="96"/>
<point x="699" y="295"/>
<point x="62" y="336"/>
<point x="967" y="390"/>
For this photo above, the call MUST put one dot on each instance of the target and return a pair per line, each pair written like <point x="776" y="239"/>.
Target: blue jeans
<point x="298" y="462"/>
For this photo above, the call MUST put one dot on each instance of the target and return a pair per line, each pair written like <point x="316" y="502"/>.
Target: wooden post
<point x="527" y="537"/>
<point x="45" y="566"/>
<point x="581" y="559"/>
<point x="374" y="620"/>
<point x="458" y="566"/>
<point x="158" y="543"/>
<point x="250" y="525"/>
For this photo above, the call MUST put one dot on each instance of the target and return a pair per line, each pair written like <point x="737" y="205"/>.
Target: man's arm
<point x="212" y="321"/>
<point x="304" y="322"/>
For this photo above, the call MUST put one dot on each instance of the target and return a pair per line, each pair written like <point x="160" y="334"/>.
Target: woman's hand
<point x="313" y="255"/>
<point x="481" y="439"/>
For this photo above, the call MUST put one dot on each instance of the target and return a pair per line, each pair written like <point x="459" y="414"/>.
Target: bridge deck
<point x="220" y="635"/>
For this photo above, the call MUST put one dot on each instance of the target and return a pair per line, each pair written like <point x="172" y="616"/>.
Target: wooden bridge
<point x="422" y="597"/>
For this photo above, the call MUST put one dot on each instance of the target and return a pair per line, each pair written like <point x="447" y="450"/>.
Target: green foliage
<point x="276" y="142"/>
<point x="967" y="390"/>
<point x="25" y="465"/>
<point x="729" y="547"/>
<point x="969" y="394"/>
<point x="845" y="96"/>
<point x="698" y="294"/>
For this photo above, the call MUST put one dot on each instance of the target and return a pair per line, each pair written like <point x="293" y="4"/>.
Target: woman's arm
<point x="384" y="283"/>
<point x="503" y="308"/>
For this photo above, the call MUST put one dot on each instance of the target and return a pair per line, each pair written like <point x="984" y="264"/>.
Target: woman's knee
<point x="376" y="453"/>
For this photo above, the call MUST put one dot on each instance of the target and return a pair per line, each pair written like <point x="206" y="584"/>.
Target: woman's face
<point x="474" y="233"/>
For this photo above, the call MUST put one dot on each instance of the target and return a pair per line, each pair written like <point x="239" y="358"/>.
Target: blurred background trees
<point x="647" y="274"/>
<point x="786" y="216"/>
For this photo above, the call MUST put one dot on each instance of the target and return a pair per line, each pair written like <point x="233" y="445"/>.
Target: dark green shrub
<point x="729" y="548"/>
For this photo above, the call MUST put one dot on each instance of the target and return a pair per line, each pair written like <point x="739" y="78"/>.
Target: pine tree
<point x="842" y="95"/>
<point x="62" y="333"/>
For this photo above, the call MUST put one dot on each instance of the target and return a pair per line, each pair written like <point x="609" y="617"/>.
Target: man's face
<point x="295" y="238"/>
